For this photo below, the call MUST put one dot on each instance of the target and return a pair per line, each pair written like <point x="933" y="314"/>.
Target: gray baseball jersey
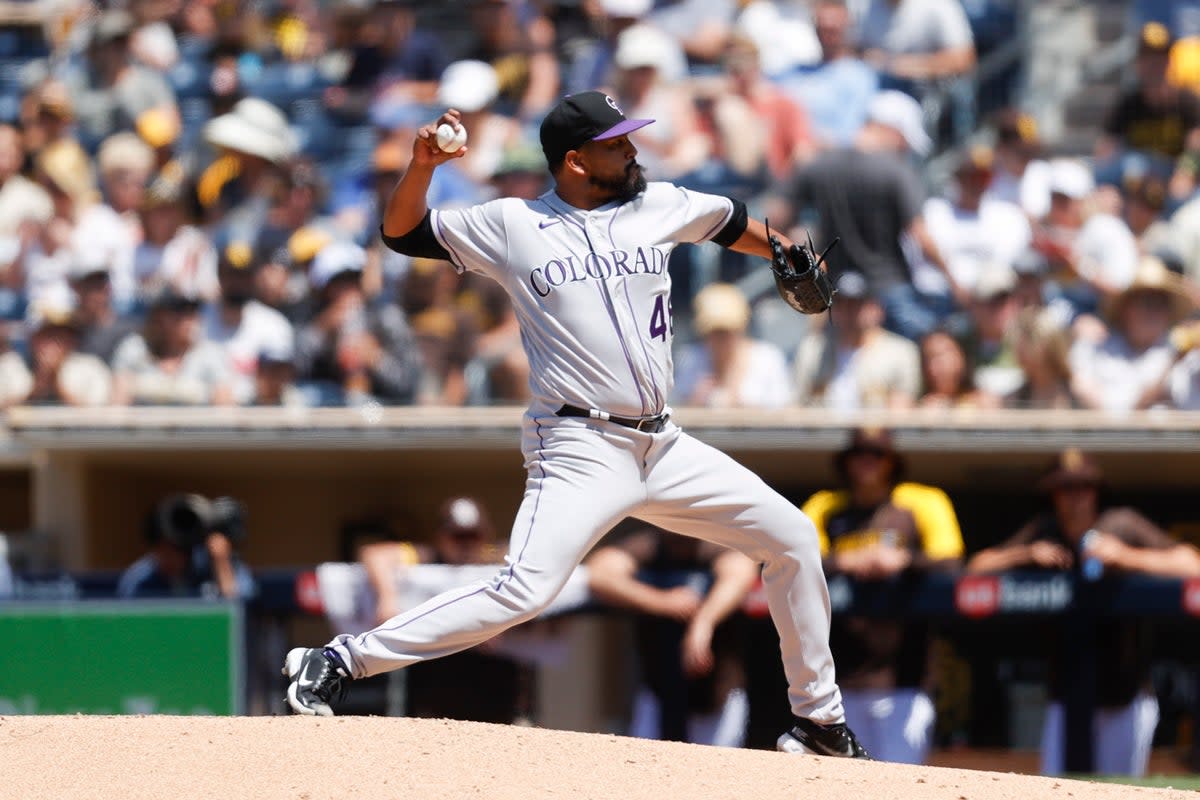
<point x="592" y="294"/>
<point x="590" y="288"/>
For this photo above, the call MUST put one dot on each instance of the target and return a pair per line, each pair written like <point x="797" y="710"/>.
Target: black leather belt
<point x="644" y="424"/>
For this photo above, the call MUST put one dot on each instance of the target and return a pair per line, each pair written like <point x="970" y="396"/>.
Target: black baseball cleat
<point x="810" y="738"/>
<point x="317" y="678"/>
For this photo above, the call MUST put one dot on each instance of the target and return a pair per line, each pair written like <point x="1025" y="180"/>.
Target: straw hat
<point x="721" y="307"/>
<point x="254" y="127"/>
<point x="68" y="167"/>
<point x="125" y="151"/>
<point x="1153" y="276"/>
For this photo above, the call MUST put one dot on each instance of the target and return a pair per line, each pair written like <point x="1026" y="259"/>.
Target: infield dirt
<point x="302" y="758"/>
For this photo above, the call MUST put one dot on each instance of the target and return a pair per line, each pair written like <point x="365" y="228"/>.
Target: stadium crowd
<point x="190" y="198"/>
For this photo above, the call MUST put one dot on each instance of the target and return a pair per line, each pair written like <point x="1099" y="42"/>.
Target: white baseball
<point x="449" y="139"/>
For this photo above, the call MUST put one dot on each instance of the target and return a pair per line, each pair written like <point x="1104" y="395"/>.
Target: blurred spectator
<point x="152" y="41"/>
<point x="125" y="164"/>
<point x="111" y="231"/>
<point x="1019" y="175"/>
<point x="55" y="372"/>
<point x="915" y="42"/>
<point x="1184" y="232"/>
<point x="973" y="231"/>
<point x="854" y="363"/>
<point x="48" y="248"/>
<point x="473" y="685"/>
<point x="252" y="141"/>
<point x="282" y="278"/>
<point x="100" y="328"/>
<point x="701" y="27"/>
<point x="499" y="355"/>
<point x="350" y="354"/>
<point x="1145" y="198"/>
<point x="589" y="62"/>
<point x="754" y="129"/>
<point x="871" y="196"/>
<point x="522" y="172"/>
<point x="782" y="32"/>
<point x="296" y="200"/>
<point x="988" y="340"/>
<point x="394" y="62"/>
<point x="1077" y="534"/>
<point x="1153" y="118"/>
<point x="25" y="208"/>
<point x="193" y="552"/>
<point x="445" y="334"/>
<point x="517" y="40"/>
<point x="1092" y="253"/>
<point x="683" y="590"/>
<point x="1129" y="368"/>
<point x="275" y="378"/>
<point x="47" y="115"/>
<point x="170" y="362"/>
<point x="109" y="89"/>
<point x="1031" y="269"/>
<point x="836" y="91"/>
<point x="242" y="325"/>
<point x="879" y="527"/>
<point x="472" y="88"/>
<point x="174" y="253"/>
<point x="674" y="145"/>
<point x="947" y="378"/>
<point x="1183" y="381"/>
<point x="1042" y="349"/>
<point x="727" y="368"/>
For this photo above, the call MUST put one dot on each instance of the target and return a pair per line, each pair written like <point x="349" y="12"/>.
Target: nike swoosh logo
<point x="546" y="223"/>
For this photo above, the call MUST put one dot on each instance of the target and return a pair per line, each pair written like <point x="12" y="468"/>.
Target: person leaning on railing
<point x="1077" y="535"/>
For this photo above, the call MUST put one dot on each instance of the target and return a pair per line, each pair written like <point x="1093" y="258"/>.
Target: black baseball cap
<point x="582" y="118"/>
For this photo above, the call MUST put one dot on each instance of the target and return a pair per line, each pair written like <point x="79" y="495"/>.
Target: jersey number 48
<point x="662" y="321"/>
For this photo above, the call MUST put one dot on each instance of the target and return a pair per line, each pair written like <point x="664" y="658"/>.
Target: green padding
<point x="137" y="657"/>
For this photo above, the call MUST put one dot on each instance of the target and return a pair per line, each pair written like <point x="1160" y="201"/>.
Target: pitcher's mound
<point x="208" y="758"/>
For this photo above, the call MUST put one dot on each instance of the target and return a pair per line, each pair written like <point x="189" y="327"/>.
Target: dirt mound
<point x="177" y="758"/>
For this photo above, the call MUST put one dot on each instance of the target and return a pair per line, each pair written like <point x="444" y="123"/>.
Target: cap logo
<point x="613" y="104"/>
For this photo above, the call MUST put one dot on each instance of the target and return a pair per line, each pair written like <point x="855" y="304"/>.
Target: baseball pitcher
<point x="586" y="267"/>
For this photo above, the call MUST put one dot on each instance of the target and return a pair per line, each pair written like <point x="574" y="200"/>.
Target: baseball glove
<point x="798" y="275"/>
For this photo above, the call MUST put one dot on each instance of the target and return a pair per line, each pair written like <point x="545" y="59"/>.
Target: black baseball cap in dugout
<point x="581" y="118"/>
<point x="874" y="440"/>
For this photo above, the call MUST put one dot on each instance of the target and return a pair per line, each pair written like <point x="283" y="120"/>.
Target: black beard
<point x="626" y="188"/>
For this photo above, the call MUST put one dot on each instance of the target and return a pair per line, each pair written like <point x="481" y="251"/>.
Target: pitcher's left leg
<point x="697" y="490"/>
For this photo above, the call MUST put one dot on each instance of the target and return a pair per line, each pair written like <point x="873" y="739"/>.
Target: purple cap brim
<point x="622" y="128"/>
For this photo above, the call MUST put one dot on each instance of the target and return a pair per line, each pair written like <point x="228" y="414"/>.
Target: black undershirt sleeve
<point x="736" y="226"/>
<point x="419" y="242"/>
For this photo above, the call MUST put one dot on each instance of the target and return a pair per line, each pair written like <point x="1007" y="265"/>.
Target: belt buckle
<point x="651" y="424"/>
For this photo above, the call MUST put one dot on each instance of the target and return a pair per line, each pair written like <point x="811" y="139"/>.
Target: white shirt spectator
<point x="763" y="382"/>
<point x="914" y="26"/>
<point x="1106" y="251"/>
<point x="201" y="371"/>
<point x="970" y="240"/>
<point x="887" y="367"/>
<point x="1120" y="375"/>
<point x="102" y="237"/>
<point x="262" y="329"/>
<point x="1184" y="383"/>
<point x="187" y="263"/>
